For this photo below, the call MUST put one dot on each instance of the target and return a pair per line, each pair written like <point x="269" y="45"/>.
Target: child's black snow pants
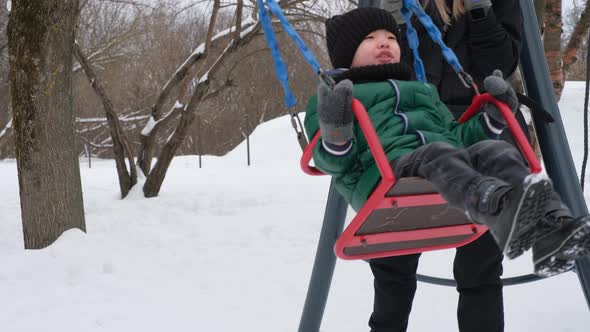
<point x="477" y="266"/>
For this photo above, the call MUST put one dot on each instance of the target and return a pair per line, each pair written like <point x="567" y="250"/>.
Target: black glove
<point x="503" y="91"/>
<point x="335" y="112"/>
<point x="395" y="8"/>
<point x="477" y="9"/>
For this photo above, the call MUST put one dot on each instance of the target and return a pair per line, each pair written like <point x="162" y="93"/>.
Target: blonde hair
<point x="445" y="12"/>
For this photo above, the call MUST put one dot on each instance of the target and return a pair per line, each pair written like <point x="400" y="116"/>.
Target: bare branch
<point x="6" y="128"/>
<point x="121" y="147"/>
<point x="239" y="12"/>
<point x="214" y="13"/>
<point x="156" y="176"/>
<point x="571" y="50"/>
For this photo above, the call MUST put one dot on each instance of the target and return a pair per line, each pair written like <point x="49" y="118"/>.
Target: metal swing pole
<point x="325" y="262"/>
<point x="552" y="138"/>
<point x="325" y="259"/>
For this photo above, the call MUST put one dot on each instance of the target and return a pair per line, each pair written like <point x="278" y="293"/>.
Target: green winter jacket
<point x="405" y="115"/>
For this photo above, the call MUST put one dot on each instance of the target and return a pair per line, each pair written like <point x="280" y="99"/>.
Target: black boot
<point x="563" y="240"/>
<point x="510" y="213"/>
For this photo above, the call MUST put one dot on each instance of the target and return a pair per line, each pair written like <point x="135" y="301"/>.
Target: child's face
<point x="378" y="48"/>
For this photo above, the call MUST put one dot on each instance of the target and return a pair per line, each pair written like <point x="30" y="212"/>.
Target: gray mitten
<point x="335" y="112"/>
<point x="395" y="8"/>
<point x="477" y="9"/>
<point x="474" y="4"/>
<point x="503" y="91"/>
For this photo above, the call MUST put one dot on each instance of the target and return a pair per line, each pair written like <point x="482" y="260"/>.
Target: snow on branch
<point x="152" y="123"/>
<point x="199" y="51"/>
<point x="6" y="128"/>
<point x="122" y="119"/>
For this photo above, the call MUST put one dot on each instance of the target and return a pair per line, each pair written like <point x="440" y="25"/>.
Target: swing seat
<point x="411" y="217"/>
<point x="407" y="215"/>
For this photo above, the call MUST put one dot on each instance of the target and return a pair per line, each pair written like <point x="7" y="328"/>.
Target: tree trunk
<point x="121" y="147"/>
<point x="570" y="55"/>
<point x="154" y="181"/>
<point x="552" y="43"/>
<point x="214" y="12"/>
<point x="148" y="137"/>
<point x="40" y="38"/>
<point x="540" y="13"/>
<point x="239" y="13"/>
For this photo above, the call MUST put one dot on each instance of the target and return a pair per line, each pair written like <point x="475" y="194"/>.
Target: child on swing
<point x="487" y="178"/>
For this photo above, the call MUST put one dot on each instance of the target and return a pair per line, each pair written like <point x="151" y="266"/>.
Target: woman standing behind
<point x="485" y="35"/>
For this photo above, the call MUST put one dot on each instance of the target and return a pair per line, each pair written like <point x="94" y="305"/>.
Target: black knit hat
<point x="344" y="33"/>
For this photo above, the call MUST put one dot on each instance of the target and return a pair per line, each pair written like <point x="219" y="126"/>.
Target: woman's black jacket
<point x="481" y="46"/>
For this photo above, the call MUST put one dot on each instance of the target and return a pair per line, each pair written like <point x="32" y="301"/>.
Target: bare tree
<point x="209" y="64"/>
<point x="559" y="58"/>
<point x="155" y="177"/>
<point x="156" y="64"/>
<point x="40" y="38"/>
<point x="121" y="146"/>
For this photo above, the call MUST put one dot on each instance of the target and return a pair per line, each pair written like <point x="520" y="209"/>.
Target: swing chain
<point x="326" y="79"/>
<point x="468" y="81"/>
<point x="298" y="127"/>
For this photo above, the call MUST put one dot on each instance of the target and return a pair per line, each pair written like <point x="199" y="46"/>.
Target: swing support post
<point x="552" y="139"/>
<point x="325" y="259"/>
<point x="325" y="262"/>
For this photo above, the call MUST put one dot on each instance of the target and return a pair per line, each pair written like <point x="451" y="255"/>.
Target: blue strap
<point x="412" y="37"/>
<point x="280" y="67"/>
<point x="411" y="6"/>
<point x="278" y="12"/>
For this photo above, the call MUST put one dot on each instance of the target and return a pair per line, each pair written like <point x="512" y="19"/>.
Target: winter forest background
<point x="135" y="47"/>
<point x="153" y="81"/>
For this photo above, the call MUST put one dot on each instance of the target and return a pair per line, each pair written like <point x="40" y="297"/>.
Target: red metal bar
<point x="307" y="155"/>
<point x="388" y="253"/>
<point x="519" y="136"/>
<point x="372" y="139"/>
<point x="420" y="234"/>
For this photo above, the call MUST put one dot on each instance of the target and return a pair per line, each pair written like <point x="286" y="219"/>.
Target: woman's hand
<point x="395" y="8"/>
<point x="503" y="91"/>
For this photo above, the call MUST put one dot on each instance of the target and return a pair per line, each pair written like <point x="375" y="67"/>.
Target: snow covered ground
<point x="230" y="248"/>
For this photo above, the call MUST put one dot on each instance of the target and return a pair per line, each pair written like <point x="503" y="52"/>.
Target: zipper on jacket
<point x="421" y="137"/>
<point x="397" y="103"/>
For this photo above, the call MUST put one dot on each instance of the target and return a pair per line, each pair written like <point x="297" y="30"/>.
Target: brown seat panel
<point x="411" y="186"/>
<point x="360" y="250"/>
<point x="412" y="218"/>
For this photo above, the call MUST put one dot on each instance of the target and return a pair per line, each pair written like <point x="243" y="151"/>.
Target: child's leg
<point x="499" y="159"/>
<point x="557" y="237"/>
<point x="562" y="239"/>
<point x="448" y="168"/>
<point x="508" y="211"/>
<point x="395" y="286"/>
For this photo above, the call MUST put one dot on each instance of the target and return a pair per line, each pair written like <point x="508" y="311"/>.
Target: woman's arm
<point x="495" y="40"/>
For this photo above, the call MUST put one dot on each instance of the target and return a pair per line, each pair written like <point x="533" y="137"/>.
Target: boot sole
<point x="553" y="266"/>
<point x="575" y="245"/>
<point x="530" y="210"/>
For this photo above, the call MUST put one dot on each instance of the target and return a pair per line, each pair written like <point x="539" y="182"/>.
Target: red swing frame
<point x="464" y="233"/>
